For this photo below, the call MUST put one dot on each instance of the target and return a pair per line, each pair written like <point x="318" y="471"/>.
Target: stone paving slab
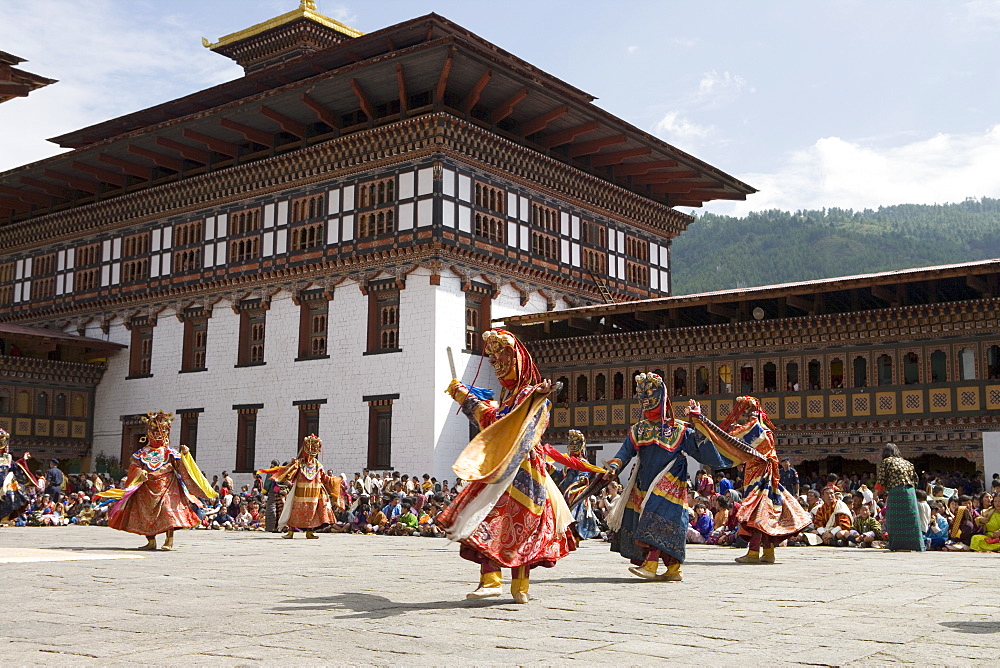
<point x="252" y="598"/>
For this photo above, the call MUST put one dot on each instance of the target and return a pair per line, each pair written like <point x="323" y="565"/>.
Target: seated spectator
<point x="393" y="510"/>
<point x="865" y="529"/>
<point x="406" y="523"/>
<point x="360" y="523"/>
<point x="936" y="534"/>
<point x="989" y="540"/>
<point x="377" y="522"/>
<point x="923" y="509"/>
<point x="962" y="525"/>
<point x="701" y="524"/>
<point x="832" y="519"/>
<point x="722" y="511"/>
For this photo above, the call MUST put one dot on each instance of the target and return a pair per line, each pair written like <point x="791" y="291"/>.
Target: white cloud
<point x="715" y="89"/>
<point x="834" y="172"/>
<point x="632" y="49"/>
<point x="109" y="61"/>
<point x="676" y="129"/>
<point x="980" y="14"/>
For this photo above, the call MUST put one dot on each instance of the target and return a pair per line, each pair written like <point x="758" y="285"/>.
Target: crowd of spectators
<point x="847" y="510"/>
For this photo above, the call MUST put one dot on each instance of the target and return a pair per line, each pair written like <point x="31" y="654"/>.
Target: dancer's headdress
<point x="4" y="440"/>
<point x="577" y="443"/>
<point x="740" y="407"/>
<point x="158" y="426"/>
<point x="511" y="360"/>
<point x="652" y="393"/>
<point x="311" y="445"/>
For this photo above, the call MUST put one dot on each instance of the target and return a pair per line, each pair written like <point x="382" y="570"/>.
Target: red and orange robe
<point x="159" y="492"/>
<point x="308" y="504"/>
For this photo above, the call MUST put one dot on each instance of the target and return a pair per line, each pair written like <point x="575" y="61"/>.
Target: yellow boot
<point x="490" y="585"/>
<point x="673" y="573"/>
<point x="290" y="534"/>
<point x="150" y="544"/>
<point x="519" y="590"/>
<point x="751" y="557"/>
<point x="168" y="544"/>
<point x="768" y="556"/>
<point x="647" y="571"/>
<point x="310" y="534"/>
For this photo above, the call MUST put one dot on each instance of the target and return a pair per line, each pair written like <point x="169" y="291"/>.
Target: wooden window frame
<point x="251" y="349"/>
<point x="140" y="363"/>
<point x="194" y="352"/>
<point x="490" y="198"/>
<point x="478" y="306"/>
<point x="308" y="420"/>
<point x="189" y="430"/>
<point x="310" y="308"/>
<point x="489" y="227"/>
<point x="246" y="440"/>
<point x="383" y="330"/>
<point x="380" y="434"/>
<point x="309" y="207"/>
<point x="377" y="193"/>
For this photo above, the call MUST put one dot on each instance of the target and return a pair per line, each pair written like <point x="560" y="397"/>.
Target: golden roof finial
<point x="308" y="4"/>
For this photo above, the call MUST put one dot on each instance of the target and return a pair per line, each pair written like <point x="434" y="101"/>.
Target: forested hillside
<point x="722" y="252"/>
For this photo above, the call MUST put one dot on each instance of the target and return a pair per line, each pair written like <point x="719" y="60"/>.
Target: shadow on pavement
<point x="370" y="606"/>
<point x="973" y="627"/>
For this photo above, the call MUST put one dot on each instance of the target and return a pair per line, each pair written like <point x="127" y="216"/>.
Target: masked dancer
<point x="510" y="513"/>
<point x="651" y="521"/>
<point x="161" y="486"/>
<point x="17" y="483"/>
<point x="768" y="513"/>
<point x="314" y="493"/>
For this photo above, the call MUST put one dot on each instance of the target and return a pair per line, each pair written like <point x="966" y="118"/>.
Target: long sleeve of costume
<point x="482" y="412"/>
<point x="730" y="448"/>
<point x="568" y="460"/>
<point x="196" y="483"/>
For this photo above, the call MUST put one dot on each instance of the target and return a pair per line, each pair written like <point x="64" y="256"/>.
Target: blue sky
<point x="818" y="104"/>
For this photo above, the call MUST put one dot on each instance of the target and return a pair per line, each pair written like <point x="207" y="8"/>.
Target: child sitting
<point x="865" y="529"/>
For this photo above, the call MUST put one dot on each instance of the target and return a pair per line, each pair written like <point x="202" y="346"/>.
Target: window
<point x="546" y="218"/>
<point x="308" y="236"/>
<point x="911" y="369"/>
<point x="195" y="342"/>
<point x="380" y="434"/>
<point x="60" y="405"/>
<point x="594" y="234"/>
<point x="636" y="273"/>
<point x="314" y="312"/>
<point x="375" y="223"/>
<point x="860" y="372"/>
<point x="141" y="349"/>
<point x="600" y="387"/>
<point x="23" y="403"/>
<point x="884" y="367"/>
<point x="993" y="363"/>
<point x="377" y="193"/>
<point x="582" y="389"/>
<point x="746" y="379"/>
<point x="792" y="377"/>
<point x="770" y="377"/>
<point x="243" y="250"/>
<point x="490" y="228"/>
<point x="242" y="222"/>
<point x="135" y="267"/>
<point x="489" y="197"/>
<point x="308" y="420"/>
<point x="42" y="403"/>
<point x="88" y="272"/>
<point x="6" y="278"/>
<point x="383" y="318"/>
<point x="939" y="366"/>
<point x="189" y="430"/>
<point x="596" y="261"/>
<point x="701" y="380"/>
<point x="725" y="379"/>
<point x="563" y="395"/>
<point x="967" y="364"/>
<point x="814" y="370"/>
<point x="680" y="382"/>
<point x="43" y="284"/>
<point x="79" y="406"/>
<point x="618" y="386"/>
<point x="836" y="373"/>
<point x="188" y="260"/>
<point x="133" y="435"/>
<point x="246" y="440"/>
<point x="307" y="208"/>
<point x="253" y="318"/>
<point x="477" y="318"/>
<point x="637" y="248"/>
<point x="188" y="234"/>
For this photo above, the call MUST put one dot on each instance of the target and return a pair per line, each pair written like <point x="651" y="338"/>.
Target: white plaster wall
<point x="991" y="454"/>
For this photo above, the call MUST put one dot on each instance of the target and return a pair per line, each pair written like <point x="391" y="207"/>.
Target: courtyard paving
<point x="82" y="596"/>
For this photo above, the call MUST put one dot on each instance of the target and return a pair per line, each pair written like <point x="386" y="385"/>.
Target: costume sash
<point x="493" y="452"/>
<point x="617" y="511"/>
